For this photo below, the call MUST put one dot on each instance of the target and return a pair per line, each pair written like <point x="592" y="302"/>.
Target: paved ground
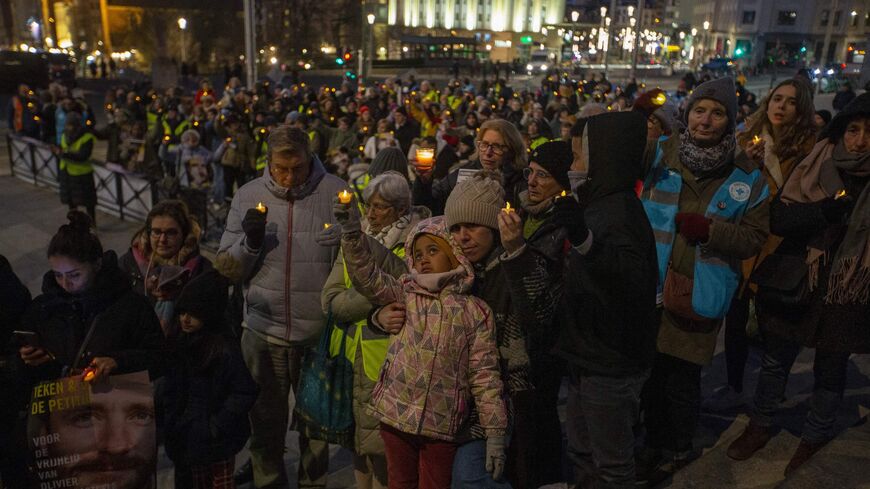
<point x="29" y="216"/>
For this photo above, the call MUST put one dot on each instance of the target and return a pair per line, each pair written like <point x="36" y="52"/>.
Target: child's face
<point x="428" y="257"/>
<point x="189" y="324"/>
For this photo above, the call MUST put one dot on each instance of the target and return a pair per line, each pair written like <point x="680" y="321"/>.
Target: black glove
<point x="569" y="214"/>
<point x="835" y="210"/>
<point x="254" y="226"/>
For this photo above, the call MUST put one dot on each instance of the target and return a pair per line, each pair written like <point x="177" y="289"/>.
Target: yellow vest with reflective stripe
<point x="374" y="347"/>
<point x="75" y="168"/>
<point x="151" y="119"/>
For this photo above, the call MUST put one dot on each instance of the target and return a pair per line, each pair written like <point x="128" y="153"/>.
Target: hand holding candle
<point x="262" y="208"/>
<point x="344" y="197"/>
<point x="507" y="208"/>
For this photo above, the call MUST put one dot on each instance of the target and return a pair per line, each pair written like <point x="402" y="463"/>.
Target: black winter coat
<point x="608" y="314"/>
<point x="207" y="409"/>
<point x="127" y="330"/>
<point x="828" y="327"/>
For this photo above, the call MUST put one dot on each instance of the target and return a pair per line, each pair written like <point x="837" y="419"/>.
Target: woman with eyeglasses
<point x="534" y="229"/>
<point x="164" y="255"/>
<point x="499" y="146"/>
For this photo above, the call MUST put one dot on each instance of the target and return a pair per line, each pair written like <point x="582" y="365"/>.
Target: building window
<point x="786" y="17"/>
<point x="824" y="18"/>
<point x="749" y="16"/>
<point x="837" y="17"/>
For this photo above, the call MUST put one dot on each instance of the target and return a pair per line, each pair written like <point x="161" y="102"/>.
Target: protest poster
<point x="99" y="435"/>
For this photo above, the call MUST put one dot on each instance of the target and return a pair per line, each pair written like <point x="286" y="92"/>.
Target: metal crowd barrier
<point x="123" y="194"/>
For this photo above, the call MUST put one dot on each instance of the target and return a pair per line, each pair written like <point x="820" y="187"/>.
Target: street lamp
<point x="370" y="18"/>
<point x="182" y="24"/>
<point x="575" y="15"/>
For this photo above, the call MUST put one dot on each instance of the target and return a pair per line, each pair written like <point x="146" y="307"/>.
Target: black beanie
<point x="205" y="298"/>
<point x="390" y="158"/>
<point x="556" y="158"/>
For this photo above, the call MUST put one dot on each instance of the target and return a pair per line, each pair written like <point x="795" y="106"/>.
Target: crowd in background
<point x="465" y="248"/>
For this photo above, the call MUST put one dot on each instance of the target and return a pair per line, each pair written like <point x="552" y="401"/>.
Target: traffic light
<point x="347" y="55"/>
<point x="350" y="74"/>
<point x="339" y="61"/>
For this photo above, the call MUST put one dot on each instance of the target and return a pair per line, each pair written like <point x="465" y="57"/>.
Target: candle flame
<point x="261" y="207"/>
<point x="326" y="225"/>
<point x="756" y="139"/>
<point x="840" y="194"/>
<point x="507" y="207"/>
<point x="660" y="99"/>
<point x="563" y="194"/>
<point x="344" y="197"/>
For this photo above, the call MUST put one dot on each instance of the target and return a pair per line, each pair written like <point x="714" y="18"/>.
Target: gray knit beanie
<point x="721" y="90"/>
<point x="387" y="159"/>
<point x="477" y="200"/>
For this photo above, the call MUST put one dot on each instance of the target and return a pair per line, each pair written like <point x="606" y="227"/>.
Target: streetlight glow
<point x="706" y="25"/>
<point x="182" y="23"/>
<point x="575" y="15"/>
<point x="370" y="18"/>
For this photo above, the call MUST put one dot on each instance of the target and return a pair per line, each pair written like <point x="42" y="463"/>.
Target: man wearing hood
<point x="708" y="212"/>
<point x="607" y="318"/>
<point x="271" y="249"/>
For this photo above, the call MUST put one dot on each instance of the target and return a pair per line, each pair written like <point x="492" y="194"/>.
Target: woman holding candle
<point x="389" y="219"/>
<point x="778" y="135"/>
<point x="823" y="215"/>
<point x="499" y="147"/>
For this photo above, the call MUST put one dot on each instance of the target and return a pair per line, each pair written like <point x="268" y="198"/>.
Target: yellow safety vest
<point x="151" y="119"/>
<point x="175" y="134"/>
<point x="75" y="168"/>
<point x="263" y="157"/>
<point x="374" y="347"/>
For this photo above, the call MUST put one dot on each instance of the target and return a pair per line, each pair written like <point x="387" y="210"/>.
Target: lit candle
<point x="840" y="194"/>
<point x="562" y="195"/>
<point x="756" y="139"/>
<point x="344" y="197"/>
<point x="660" y="99"/>
<point x="507" y="208"/>
<point x="260" y="207"/>
<point x="229" y="140"/>
<point x="89" y="374"/>
<point x="326" y="225"/>
<point x="425" y="158"/>
<point x="166" y="138"/>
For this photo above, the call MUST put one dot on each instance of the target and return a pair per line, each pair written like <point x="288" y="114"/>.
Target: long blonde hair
<point x="512" y="138"/>
<point x="793" y="141"/>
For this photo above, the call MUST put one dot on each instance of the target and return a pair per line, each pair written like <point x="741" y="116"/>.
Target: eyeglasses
<point x="169" y="233"/>
<point x="540" y="175"/>
<point x="498" y="149"/>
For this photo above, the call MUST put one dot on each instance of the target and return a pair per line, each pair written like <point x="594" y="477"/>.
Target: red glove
<point x="694" y="227"/>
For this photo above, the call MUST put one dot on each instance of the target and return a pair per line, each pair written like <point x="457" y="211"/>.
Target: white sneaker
<point x="724" y="398"/>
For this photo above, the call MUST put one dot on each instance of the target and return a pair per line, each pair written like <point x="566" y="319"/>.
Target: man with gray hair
<point x="269" y="246"/>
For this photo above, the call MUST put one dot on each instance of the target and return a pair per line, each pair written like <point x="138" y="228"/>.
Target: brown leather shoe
<point x="804" y="452"/>
<point x="753" y="439"/>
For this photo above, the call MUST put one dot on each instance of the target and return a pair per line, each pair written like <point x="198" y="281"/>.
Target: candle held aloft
<point x="425" y="158"/>
<point x="756" y="139"/>
<point x="326" y="225"/>
<point x="260" y="207"/>
<point x="507" y="208"/>
<point x="344" y="197"/>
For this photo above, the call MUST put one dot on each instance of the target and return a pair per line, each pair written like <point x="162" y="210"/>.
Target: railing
<point x="120" y="193"/>
<point x="123" y="194"/>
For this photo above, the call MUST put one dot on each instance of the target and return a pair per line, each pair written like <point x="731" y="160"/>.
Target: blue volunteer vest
<point x="716" y="276"/>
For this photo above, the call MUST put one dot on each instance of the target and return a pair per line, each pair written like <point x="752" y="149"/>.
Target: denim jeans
<point x="469" y="468"/>
<point x="602" y="412"/>
<point x="829" y="370"/>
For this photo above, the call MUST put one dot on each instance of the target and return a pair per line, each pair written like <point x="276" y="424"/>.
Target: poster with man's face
<point x="93" y="436"/>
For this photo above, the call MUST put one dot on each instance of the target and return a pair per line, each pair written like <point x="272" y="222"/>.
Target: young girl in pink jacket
<point x="443" y="359"/>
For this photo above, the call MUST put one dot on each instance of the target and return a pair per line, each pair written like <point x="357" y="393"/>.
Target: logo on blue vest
<point x="739" y="191"/>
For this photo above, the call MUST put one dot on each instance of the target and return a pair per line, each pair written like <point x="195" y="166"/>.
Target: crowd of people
<point x="466" y="249"/>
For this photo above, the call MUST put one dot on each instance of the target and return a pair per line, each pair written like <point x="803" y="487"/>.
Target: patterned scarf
<point x="702" y="161"/>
